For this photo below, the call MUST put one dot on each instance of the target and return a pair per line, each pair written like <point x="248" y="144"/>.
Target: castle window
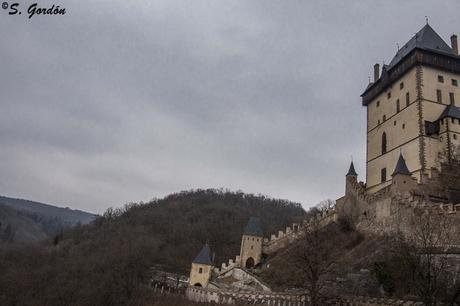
<point x="389" y="95"/>
<point x="200" y="270"/>
<point x="455" y="136"/>
<point x="378" y="103"/>
<point x="394" y="123"/>
<point x="384" y="143"/>
<point x="451" y="97"/>
<point x="404" y="126"/>
<point x="439" y="96"/>
<point x="384" y="118"/>
<point x="252" y="247"/>
<point x="454" y="82"/>
<point x="383" y="175"/>
<point x="398" y="106"/>
<point x="407" y="99"/>
<point x="378" y="122"/>
<point x="440" y="79"/>
<point x="401" y="85"/>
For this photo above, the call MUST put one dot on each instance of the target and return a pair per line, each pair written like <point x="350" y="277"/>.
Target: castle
<point x="412" y="161"/>
<point x="413" y="132"/>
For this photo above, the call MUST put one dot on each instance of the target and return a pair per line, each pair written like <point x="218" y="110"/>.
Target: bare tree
<point x="326" y="205"/>
<point x="313" y="257"/>
<point x="423" y="252"/>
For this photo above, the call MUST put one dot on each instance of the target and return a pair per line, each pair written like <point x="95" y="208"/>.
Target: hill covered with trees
<point x="27" y="221"/>
<point x="107" y="262"/>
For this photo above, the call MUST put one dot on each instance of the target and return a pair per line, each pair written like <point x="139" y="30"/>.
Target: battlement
<point x="205" y="295"/>
<point x="225" y="267"/>
<point x="358" y="190"/>
<point x="296" y="231"/>
<point x="281" y="240"/>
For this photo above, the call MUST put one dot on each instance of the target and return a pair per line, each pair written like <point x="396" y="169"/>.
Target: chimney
<point x="454" y="44"/>
<point x="376" y="72"/>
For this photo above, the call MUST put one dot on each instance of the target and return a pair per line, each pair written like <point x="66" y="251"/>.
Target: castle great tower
<point x="413" y="109"/>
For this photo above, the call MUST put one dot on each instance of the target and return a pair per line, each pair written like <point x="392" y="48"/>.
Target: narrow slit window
<point x="439" y="96"/>
<point x="384" y="143"/>
<point x="383" y="175"/>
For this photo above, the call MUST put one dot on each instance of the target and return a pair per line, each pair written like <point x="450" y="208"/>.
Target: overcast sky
<point x="121" y="101"/>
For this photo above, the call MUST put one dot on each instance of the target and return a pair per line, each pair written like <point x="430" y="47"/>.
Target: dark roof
<point x="426" y="39"/>
<point x="401" y="167"/>
<point x="351" y="171"/>
<point x="204" y="257"/>
<point x="426" y="48"/>
<point x="253" y="228"/>
<point x="450" y="111"/>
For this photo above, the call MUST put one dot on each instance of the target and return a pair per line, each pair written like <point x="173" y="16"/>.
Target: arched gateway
<point x="249" y="263"/>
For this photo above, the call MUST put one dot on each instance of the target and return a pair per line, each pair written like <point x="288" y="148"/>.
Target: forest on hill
<point x="27" y="221"/>
<point x="107" y="262"/>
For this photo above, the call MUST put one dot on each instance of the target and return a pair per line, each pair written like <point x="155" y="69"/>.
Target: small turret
<point x="402" y="180"/>
<point x="200" y="274"/>
<point x="401" y="167"/>
<point x="251" y="244"/>
<point x="352" y="171"/>
<point x="351" y="177"/>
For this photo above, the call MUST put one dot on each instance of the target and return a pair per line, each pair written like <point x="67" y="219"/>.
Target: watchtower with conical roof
<point x="200" y="274"/>
<point x="251" y="244"/>
<point x="350" y="178"/>
<point x="402" y="180"/>
<point x="413" y="107"/>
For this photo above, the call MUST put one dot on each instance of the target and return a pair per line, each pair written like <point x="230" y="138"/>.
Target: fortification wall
<point x="284" y="299"/>
<point x="281" y="240"/>
<point x="225" y="267"/>
<point x="394" y="214"/>
<point x="198" y="294"/>
<point x="355" y="202"/>
<point x="296" y="231"/>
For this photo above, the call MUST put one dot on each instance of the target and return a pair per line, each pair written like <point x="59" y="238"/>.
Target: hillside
<point x="178" y="225"/>
<point x="29" y="221"/>
<point x="15" y="226"/>
<point x="107" y="262"/>
<point x="351" y="256"/>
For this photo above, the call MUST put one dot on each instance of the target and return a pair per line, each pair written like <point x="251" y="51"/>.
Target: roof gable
<point x="450" y="111"/>
<point x="204" y="257"/>
<point x="253" y="228"/>
<point x="426" y="39"/>
<point x="401" y="167"/>
<point x="352" y="171"/>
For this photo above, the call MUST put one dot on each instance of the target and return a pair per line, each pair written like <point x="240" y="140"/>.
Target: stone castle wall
<point x="280" y="240"/>
<point x="284" y="299"/>
<point x="256" y="298"/>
